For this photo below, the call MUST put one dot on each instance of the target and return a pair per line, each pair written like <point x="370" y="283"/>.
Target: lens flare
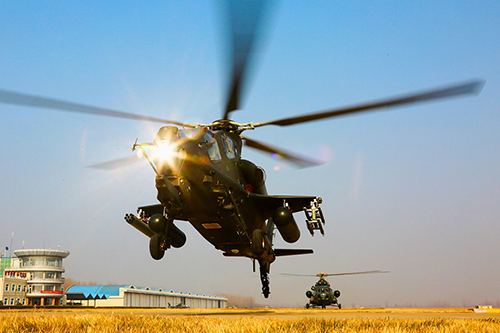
<point x="166" y="155"/>
<point x="165" y="151"/>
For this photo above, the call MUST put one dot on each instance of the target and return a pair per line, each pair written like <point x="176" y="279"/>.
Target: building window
<point x="18" y="301"/>
<point x="49" y="275"/>
<point x="19" y="287"/>
<point x="24" y="288"/>
<point x="6" y="287"/>
<point x="12" y="301"/>
<point x="51" y="261"/>
<point x="38" y="275"/>
<point x="39" y="261"/>
<point x="5" y="301"/>
<point x="24" y="301"/>
<point x="13" y="287"/>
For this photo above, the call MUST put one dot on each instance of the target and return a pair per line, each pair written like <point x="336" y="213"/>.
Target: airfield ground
<point x="248" y="320"/>
<point x="291" y="314"/>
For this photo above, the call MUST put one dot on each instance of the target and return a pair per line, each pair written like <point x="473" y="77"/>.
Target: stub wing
<point x="310" y="205"/>
<point x="295" y="203"/>
<point x="151" y="209"/>
<point x="265" y="202"/>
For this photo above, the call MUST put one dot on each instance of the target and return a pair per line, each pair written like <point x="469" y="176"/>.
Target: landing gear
<point x="258" y="242"/>
<point x="314" y="217"/>
<point x="161" y="240"/>
<point x="261" y="248"/>
<point x="264" y="278"/>
<point x="157" y="246"/>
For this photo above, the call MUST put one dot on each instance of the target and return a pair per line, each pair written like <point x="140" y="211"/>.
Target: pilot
<point x="167" y="133"/>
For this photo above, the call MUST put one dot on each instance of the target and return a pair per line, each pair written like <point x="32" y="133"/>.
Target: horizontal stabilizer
<point x="230" y="254"/>
<point x="291" y="252"/>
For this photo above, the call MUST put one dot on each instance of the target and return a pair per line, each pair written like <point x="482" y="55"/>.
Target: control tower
<point x="44" y="271"/>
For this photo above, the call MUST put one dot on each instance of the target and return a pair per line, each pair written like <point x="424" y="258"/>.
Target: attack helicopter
<point x="201" y="176"/>
<point x="322" y="294"/>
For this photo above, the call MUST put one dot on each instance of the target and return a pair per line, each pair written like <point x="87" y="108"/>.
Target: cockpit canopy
<point x="220" y="145"/>
<point x="168" y="150"/>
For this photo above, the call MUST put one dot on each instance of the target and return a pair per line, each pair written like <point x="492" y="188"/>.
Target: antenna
<point x="11" y="240"/>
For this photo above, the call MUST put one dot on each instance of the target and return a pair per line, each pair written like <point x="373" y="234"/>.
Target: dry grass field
<point x="242" y="320"/>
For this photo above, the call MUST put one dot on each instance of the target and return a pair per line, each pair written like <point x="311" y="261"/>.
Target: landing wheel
<point x="264" y="278"/>
<point x="307" y="306"/>
<point x="340" y="306"/>
<point x="321" y="222"/>
<point x="157" y="246"/>
<point x="258" y="242"/>
<point x="266" y="291"/>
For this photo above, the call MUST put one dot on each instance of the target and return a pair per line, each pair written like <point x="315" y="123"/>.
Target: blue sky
<point x="414" y="190"/>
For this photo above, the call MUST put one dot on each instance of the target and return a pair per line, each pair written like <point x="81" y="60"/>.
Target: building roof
<point x="41" y="252"/>
<point x="97" y="292"/>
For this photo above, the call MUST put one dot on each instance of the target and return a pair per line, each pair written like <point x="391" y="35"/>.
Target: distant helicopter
<point x="201" y="176"/>
<point x="322" y="295"/>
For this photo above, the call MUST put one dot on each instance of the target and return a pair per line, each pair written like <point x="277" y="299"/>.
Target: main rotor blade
<point x="357" y="273"/>
<point x="115" y="164"/>
<point x="468" y="88"/>
<point x="243" y="22"/>
<point x="337" y="274"/>
<point x="10" y="97"/>
<point x="301" y="162"/>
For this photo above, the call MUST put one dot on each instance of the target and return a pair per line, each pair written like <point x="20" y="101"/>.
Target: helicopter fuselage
<point x="202" y="179"/>
<point x="221" y="195"/>
<point x="322" y="295"/>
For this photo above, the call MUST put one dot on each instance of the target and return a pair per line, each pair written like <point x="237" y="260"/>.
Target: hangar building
<point x="131" y="296"/>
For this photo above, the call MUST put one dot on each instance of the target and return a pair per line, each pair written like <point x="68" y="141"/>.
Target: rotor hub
<point x="224" y="124"/>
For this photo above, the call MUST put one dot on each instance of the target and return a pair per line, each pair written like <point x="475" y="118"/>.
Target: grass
<point x="112" y="322"/>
